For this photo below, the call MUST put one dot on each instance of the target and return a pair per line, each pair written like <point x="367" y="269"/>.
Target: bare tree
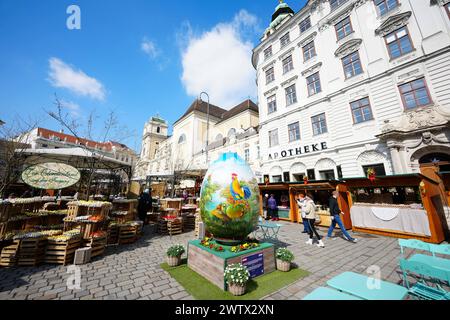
<point x="14" y="136"/>
<point x="111" y="130"/>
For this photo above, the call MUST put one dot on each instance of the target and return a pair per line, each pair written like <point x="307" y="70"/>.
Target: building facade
<point x="348" y="85"/>
<point x="187" y="150"/>
<point x="41" y="138"/>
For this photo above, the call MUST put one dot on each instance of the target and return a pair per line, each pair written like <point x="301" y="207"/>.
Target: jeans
<point x="337" y="220"/>
<point x="312" y="229"/>
<point x="305" y="225"/>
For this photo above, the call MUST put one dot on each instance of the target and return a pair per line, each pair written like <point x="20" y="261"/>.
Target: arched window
<point x="231" y="132"/>
<point x="182" y="139"/>
<point x="158" y="130"/>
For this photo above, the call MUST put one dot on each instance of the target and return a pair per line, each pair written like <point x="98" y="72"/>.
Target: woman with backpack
<point x="310" y="216"/>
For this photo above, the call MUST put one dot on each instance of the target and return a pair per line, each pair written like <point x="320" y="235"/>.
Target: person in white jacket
<point x="310" y="217"/>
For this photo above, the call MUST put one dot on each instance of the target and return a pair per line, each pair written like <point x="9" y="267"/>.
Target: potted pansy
<point x="284" y="259"/>
<point x="236" y="277"/>
<point x="174" y="255"/>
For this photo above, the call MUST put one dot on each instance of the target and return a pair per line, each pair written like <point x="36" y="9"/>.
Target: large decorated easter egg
<point x="229" y="199"/>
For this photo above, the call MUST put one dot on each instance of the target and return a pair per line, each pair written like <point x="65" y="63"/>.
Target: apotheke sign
<point x="316" y="147"/>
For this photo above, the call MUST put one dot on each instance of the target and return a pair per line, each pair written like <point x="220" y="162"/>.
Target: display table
<point x="401" y="219"/>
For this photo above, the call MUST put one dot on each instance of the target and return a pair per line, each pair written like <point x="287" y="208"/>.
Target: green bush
<point x="175" y="251"/>
<point x="236" y="274"/>
<point x="285" y="255"/>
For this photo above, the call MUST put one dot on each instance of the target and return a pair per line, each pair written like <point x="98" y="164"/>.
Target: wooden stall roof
<point x="274" y="186"/>
<point x="397" y="180"/>
<point x="316" y="185"/>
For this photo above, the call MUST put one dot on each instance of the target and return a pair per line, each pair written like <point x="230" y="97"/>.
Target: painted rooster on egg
<point x="238" y="192"/>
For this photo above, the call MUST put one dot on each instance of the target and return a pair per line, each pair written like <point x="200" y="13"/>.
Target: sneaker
<point x="310" y="242"/>
<point x="321" y="244"/>
<point x="354" y="240"/>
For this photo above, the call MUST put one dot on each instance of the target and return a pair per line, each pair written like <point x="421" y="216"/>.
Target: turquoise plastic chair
<point x="433" y="249"/>
<point x="324" y="293"/>
<point x="421" y="289"/>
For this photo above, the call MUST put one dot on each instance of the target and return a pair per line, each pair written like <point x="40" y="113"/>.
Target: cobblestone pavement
<point x="133" y="271"/>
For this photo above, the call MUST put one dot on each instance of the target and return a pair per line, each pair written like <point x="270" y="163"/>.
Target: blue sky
<point x="136" y="57"/>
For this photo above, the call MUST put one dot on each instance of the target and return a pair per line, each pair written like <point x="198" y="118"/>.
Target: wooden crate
<point x="189" y="223"/>
<point x="162" y="226"/>
<point x="127" y="234"/>
<point x="113" y="234"/>
<point x="61" y="252"/>
<point x="9" y="255"/>
<point x="98" y="246"/>
<point x="175" y="227"/>
<point x="31" y="252"/>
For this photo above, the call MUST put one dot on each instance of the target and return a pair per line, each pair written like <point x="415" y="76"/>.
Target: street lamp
<point x="207" y="125"/>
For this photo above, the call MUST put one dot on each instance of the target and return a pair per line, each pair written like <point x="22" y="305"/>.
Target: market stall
<point x="321" y="192"/>
<point x="402" y="206"/>
<point x="281" y="194"/>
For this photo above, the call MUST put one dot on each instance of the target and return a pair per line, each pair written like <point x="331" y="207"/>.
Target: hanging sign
<point x="50" y="176"/>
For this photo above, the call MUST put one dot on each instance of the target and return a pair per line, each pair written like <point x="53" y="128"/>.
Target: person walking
<point x="266" y="207"/>
<point x="335" y="212"/>
<point x="310" y="216"/>
<point x="301" y="200"/>
<point x="144" y="205"/>
<point x="272" y="205"/>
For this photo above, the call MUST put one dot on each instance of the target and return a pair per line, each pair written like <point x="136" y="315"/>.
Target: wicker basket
<point x="173" y="261"/>
<point x="236" y="290"/>
<point x="283" y="265"/>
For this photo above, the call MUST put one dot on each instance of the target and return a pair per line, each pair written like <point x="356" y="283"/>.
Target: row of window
<point x="414" y="94"/>
<point x="398" y="44"/>
<point x="344" y="27"/>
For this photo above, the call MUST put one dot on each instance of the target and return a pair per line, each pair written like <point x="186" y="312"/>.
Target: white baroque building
<point x="345" y="85"/>
<point x="234" y="130"/>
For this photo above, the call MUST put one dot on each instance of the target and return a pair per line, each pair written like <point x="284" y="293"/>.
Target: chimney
<point x="61" y="131"/>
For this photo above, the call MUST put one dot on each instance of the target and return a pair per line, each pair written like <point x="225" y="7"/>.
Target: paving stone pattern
<point x="133" y="272"/>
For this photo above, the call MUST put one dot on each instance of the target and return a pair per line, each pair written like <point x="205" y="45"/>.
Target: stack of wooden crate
<point x="162" y="226"/>
<point x="198" y="219"/>
<point x="31" y="252"/>
<point x="61" y="252"/>
<point x="189" y="223"/>
<point x="174" y="227"/>
<point x="8" y="257"/>
<point x="127" y="234"/>
<point x="113" y="234"/>
<point x="98" y="245"/>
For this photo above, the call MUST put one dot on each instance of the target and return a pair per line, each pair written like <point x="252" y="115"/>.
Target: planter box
<point x="211" y="264"/>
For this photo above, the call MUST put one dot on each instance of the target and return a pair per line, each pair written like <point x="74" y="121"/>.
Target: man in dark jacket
<point x="144" y="205"/>
<point x="335" y="212"/>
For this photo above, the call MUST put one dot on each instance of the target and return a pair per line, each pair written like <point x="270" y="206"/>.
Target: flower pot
<point x="283" y="265"/>
<point x="173" y="261"/>
<point x="236" y="289"/>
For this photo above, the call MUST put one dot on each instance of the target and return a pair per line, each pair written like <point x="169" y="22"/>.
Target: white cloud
<point x="219" y="61"/>
<point x="62" y="75"/>
<point x="149" y="48"/>
<point x="73" y="108"/>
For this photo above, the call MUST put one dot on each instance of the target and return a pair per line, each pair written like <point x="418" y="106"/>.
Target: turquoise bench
<point x="358" y="285"/>
<point x="427" y="273"/>
<point x="324" y="293"/>
<point x="434" y="249"/>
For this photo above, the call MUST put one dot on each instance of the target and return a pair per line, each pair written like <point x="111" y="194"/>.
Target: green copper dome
<point x="282" y="11"/>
